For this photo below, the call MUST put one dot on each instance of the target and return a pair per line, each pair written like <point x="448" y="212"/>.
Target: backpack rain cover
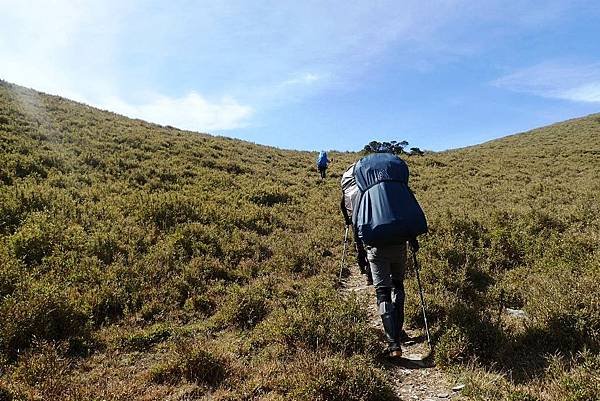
<point x="387" y="212"/>
<point x="322" y="159"/>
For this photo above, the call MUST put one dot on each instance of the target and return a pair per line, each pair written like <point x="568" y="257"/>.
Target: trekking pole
<point x="422" y="298"/>
<point x="344" y="253"/>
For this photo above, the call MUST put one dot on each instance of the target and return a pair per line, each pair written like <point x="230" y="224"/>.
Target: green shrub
<point x="265" y="196"/>
<point x="92" y="160"/>
<point x="193" y="363"/>
<point x="107" y="302"/>
<point x="34" y="240"/>
<point x="580" y="388"/>
<point x="483" y="338"/>
<point x="320" y="318"/>
<point x="482" y="385"/>
<point x="11" y="275"/>
<point x="106" y="246"/>
<point x="134" y="223"/>
<point x="44" y="312"/>
<point x="25" y="166"/>
<point x="452" y="347"/>
<point x="243" y="307"/>
<point x="312" y="378"/>
<point x="145" y="339"/>
<point x="193" y="240"/>
<point x="170" y="209"/>
<point x="41" y="360"/>
<point x="573" y="379"/>
<point x="41" y="373"/>
<point x="10" y="215"/>
<point x="195" y="284"/>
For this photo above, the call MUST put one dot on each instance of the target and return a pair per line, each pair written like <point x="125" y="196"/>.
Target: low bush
<point x="244" y="307"/>
<point x="318" y="378"/>
<point x="11" y="275"/>
<point x="574" y="379"/>
<point x="143" y="340"/>
<point x="320" y="318"/>
<point x="34" y="240"/>
<point x="26" y="165"/>
<point x="40" y="373"/>
<point x="107" y="302"/>
<point x="43" y="312"/>
<point x="169" y="209"/>
<point x="194" y="363"/>
<point x="265" y="196"/>
<point x="452" y="348"/>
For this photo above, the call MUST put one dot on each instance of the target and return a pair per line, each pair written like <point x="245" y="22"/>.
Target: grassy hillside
<point x="144" y="262"/>
<point x="515" y="224"/>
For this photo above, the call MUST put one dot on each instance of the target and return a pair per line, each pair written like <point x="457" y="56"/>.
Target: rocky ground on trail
<point x="414" y="375"/>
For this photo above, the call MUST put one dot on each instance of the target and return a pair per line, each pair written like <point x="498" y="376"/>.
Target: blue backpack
<point x="387" y="212"/>
<point x="322" y="159"/>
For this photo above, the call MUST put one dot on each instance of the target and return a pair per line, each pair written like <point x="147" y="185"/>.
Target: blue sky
<point x="315" y="74"/>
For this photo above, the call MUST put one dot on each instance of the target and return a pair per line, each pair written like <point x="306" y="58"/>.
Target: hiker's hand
<point x="414" y="244"/>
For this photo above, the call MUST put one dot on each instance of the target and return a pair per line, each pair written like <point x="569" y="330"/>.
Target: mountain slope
<point x="515" y="225"/>
<point x="121" y="240"/>
<point x="145" y="262"/>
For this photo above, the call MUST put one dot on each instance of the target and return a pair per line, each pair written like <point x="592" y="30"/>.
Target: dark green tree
<point x="416" y="151"/>
<point x="394" y="147"/>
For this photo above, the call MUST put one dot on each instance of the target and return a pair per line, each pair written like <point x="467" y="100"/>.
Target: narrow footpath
<point x="414" y="375"/>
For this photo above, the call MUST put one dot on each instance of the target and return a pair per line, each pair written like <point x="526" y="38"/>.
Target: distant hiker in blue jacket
<point x="322" y="162"/>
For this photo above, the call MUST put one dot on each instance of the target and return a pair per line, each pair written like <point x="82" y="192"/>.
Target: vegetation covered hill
<point x="144" y="262"/>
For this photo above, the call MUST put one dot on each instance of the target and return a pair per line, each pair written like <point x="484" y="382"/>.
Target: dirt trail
<point x="414" y="378"/>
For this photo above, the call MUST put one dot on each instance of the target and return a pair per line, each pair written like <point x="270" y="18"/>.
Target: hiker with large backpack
<point x="387" y="216"/>
<point x="322" y="162"/>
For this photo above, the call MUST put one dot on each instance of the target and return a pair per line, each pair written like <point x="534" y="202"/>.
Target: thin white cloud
<point x="303" y="79"/>
<point x="69" y="47"/>
<point x="567" y="81"/>
<point x="250" y="56"/>
<point x="585" y="93"/>
<point x="192" y="112"/>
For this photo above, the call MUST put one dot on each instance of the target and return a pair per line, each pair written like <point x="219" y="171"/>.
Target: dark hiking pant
<point x="322" y="171"/>
<point x="388" y="265"/>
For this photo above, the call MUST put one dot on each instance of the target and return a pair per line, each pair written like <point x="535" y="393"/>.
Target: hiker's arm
<point x="347" y="218"/>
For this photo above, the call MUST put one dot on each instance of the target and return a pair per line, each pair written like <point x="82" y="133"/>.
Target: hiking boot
<point x="394" y="352"/>
<point x="404" y="337"/>
<point x="388" y="318"/>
